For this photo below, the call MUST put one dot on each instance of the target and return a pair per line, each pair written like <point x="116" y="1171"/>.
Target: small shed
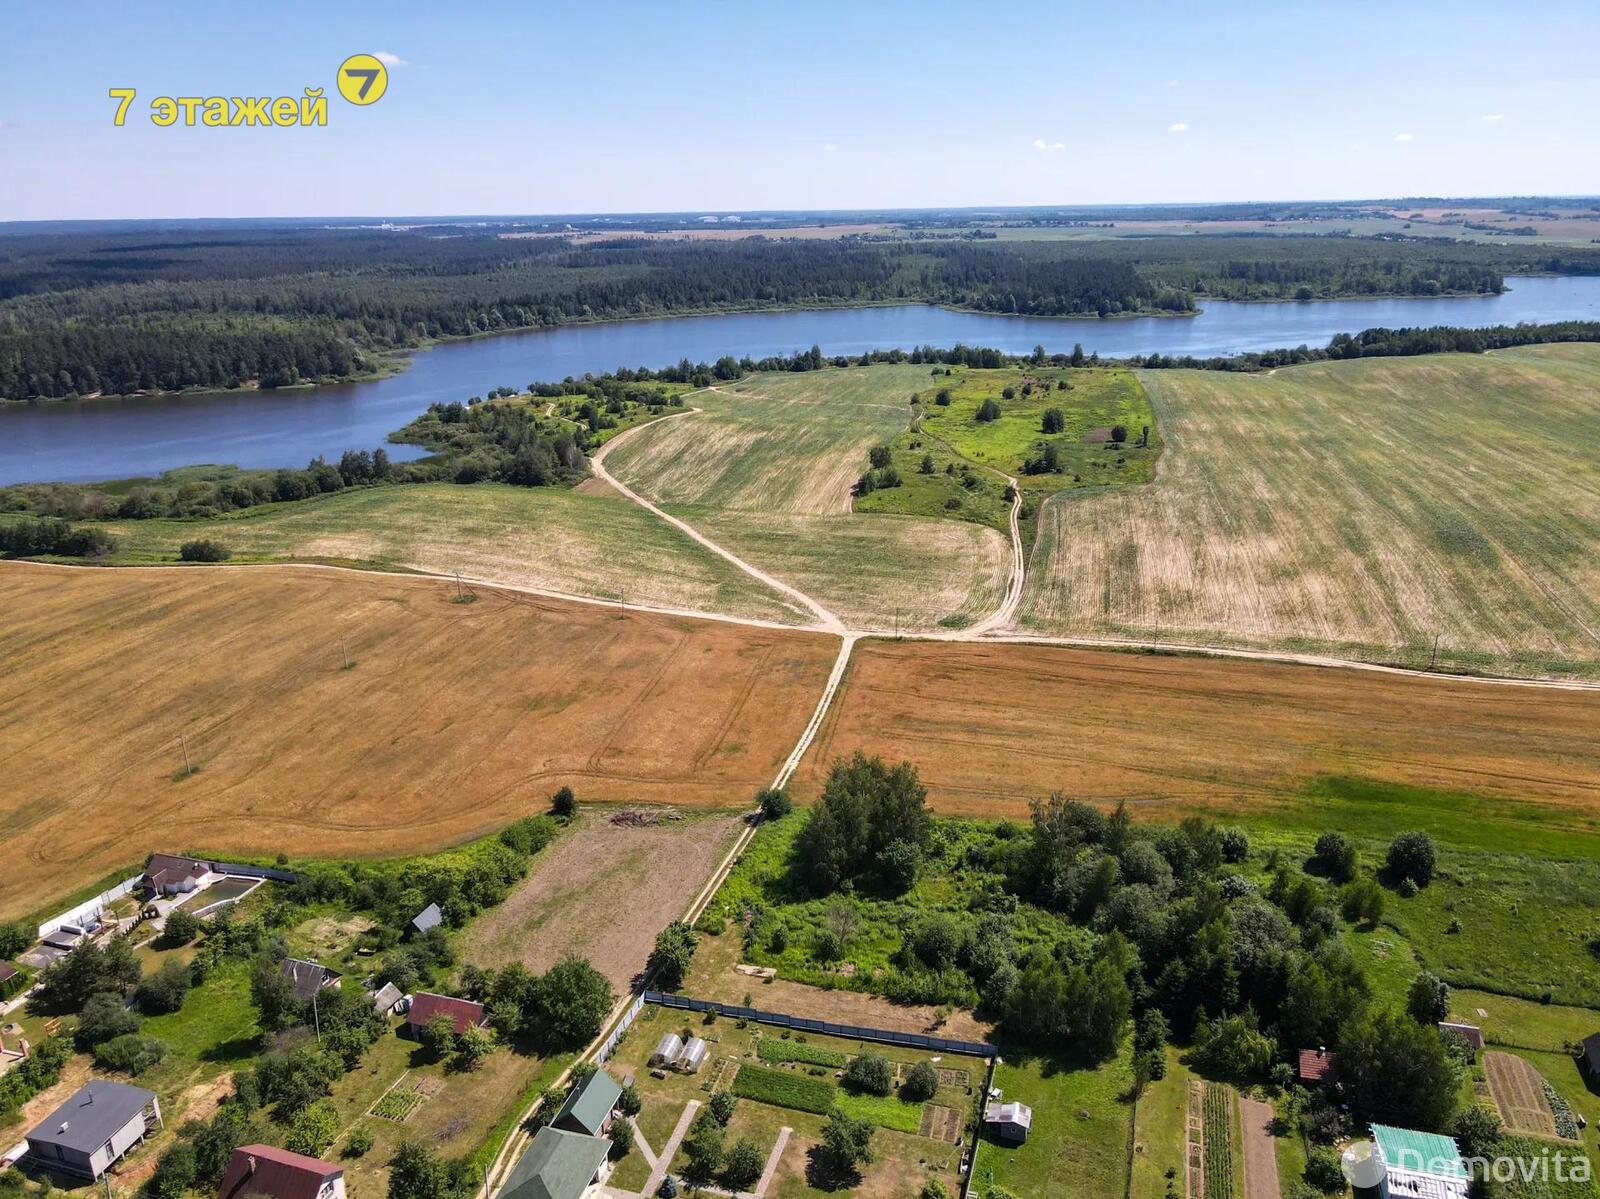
<point x="1318" y="1065"/>
<point x="671" y="1045"/>
<point x="693" y="1055"/>
<point x="429" y="918"/>
<point x="589" y="1106"/>
<point x="427" y="1007"/>
<point x="387" y="999"/>
<point x="309" y="977"/>
<point x="1589" y="1057"/>
<point x="93" y="1129"/>
<point x="1470" y="1033"/>
<point x="1009" y="1122"/>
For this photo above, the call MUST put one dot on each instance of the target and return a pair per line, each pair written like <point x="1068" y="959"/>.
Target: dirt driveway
<point x="1260" y="1160"/>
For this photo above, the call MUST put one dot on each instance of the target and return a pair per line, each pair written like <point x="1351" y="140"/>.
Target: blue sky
<point x="525" y="107"/>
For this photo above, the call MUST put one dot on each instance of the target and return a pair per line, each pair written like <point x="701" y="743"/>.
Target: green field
<point x="1362" y="508"/>
<point x="545" y="537"/>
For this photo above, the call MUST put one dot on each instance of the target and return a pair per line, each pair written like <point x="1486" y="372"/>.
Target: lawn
<point x="545" y="537"/>
<point x="1160" y="1132"/>
<point x="1082" y="1127"/>
<point x="1362" y="508"/>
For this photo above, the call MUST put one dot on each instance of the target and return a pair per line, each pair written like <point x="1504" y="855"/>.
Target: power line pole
<point x="344" y="650"/>
<point x="1434" y="657"/>
<point x="183" y="743"/>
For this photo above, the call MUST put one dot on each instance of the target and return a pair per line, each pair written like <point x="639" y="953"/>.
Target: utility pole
<point x="316" y="1016"/>
<point x="183" y="743"/>
<point x="344" y="650"/>
<point x="458" y="585"/>
<point x="1434" y="657"/>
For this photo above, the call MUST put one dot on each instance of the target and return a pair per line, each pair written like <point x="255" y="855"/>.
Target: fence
<point x="272" y="872"/>
<point x="623" y="1026"/>
<point x="89" y="907"/>
<point x="855" y="1032"/>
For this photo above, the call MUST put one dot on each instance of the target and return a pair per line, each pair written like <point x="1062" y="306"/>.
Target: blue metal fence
<point x="857" y="1032"/>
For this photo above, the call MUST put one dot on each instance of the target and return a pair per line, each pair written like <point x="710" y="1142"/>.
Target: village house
<point x="424" y="921"/>
<point x="1318" y="1066"/>
<point x="165" y="874"/>
<point x="427" y="1007"/>
<point x="261" y="1170"/>
<point x="558" y="1165"/>
<point x="93" y="1129"/>
<point x="1419" y="1165"/>
<point x="1009" y="1123"/>
<point x="309" y="977"/>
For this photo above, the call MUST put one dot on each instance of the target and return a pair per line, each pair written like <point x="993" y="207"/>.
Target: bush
<point x="775" y="803"/>
<point x="1053" y="421"/>
<point x="621" y="1139"/>
<point x="630" y="1104"/>
<point x="1324" y="1172"/>
<point x="674" y="951"/>
<point x="203" y="549"/>
<point x="870" y="1074"/>
<point x="1335" y="856"/>
<point x="721" y="1106"/>
<point x="988" y="411"/>
<point x="313" y="1129"/>
<point x="49" y="535"/>
<point x="1235" y="845"/>
<point x="131" y="1053"/>
<point x="1412" y="856"/>
<point x="743" y="1166"/>
<point x="182" y="926"/>
<point x="358" y="1143"/>
<point x="921" y="1084"/>
<point x="1476" y="1130"/>
<point x="1428" y="1000"/>
<point x="166" y="989"/>
<point x="104" y="1018"/>
<point x="564" y="803"/>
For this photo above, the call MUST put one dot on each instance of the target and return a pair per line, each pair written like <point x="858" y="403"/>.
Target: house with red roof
<point x="1318" y="1065"/>
<point x="427" y="1007"/>
<point x="261" y="1170"/>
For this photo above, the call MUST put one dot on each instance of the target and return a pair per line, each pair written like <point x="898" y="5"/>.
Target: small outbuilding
<point x="1470" y="1033"/>
<point x="424" y="921"/>
<point x="590" y="1106"/>
<point x="308" y="978"/>
<point x="261" y="1170"/>
<point x="93" y="1129"/>
<point x="1419" y="1165"/>
<point x="1319" y="1066"/>
<point x="693" y="1056"/>
<point x="388" y="999"/>
<point x="1589" y="1057"/>
<point x="427" y="1007"/>
<point x="667" y="1050"/>
<point x="1010" y="1123"/>
<point x="557" y="1165"/>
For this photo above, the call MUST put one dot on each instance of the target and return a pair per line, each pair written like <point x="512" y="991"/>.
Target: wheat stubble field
<point x="1360" y="508"/>
<point x="991" y="727"/>
<point x="453" y="720"/>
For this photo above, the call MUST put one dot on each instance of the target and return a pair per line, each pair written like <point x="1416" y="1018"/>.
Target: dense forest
<point x="221" y="308"/>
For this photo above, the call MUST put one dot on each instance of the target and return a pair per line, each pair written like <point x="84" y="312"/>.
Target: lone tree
<point x="922" y="1081"/>
<point x="1428" y="1000"/>
<point x="743" y="1167"/>
<point x="988" y="411"/>
<point x="564" y="803"/>
<point x="669" y="960"/>
<point x="1335" y="856"/>
<point x="1411" y="856"/>
<point x="775" y="803"/>
<point x="1053" y="421"/>
<point x="846" y="1145"/>
<point x="870" y="1074"/>
<point x="1119" y="434"/>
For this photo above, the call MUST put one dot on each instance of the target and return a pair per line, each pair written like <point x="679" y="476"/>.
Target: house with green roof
<point x="557" y="1165"/>
<point x="589" y="1106"/>
<point x="1419" y="1165"/>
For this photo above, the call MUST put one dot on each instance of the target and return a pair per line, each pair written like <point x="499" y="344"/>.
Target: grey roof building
<point x="557" y="1165"/>
<point x="1009" y="1122"/>
<point x="94" y="1128"/>
<point x="429" y="918"/>
<point x="589" y="1105"/>
<point x="308" y="977"/>
<point x="386" y="999"/>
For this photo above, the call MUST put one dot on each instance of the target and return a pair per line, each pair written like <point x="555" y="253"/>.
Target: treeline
<point x="129" y="312"/>
<point x="506" y="443"/>
<point x="1384" y="343"/>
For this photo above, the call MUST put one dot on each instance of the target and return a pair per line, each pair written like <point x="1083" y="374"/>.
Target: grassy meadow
<point x="548" y="537"/>
<point x="1362" y="508"/>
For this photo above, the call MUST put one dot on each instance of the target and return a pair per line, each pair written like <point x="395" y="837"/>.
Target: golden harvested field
<point x="1359" y="508"/>
<point x="993" y="726"/>
<point x="868" y="569"/>
<point x="454" y="719"/>
<point x="772" y="443"/>
<point x="570" y="541"/>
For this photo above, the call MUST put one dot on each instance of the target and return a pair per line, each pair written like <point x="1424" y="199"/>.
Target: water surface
<point x="108" y="439"/>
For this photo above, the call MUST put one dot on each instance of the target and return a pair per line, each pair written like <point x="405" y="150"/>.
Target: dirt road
<point x="1260" y="1160"/>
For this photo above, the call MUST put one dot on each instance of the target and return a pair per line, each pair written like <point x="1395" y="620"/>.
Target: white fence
<point x="622" y="1026"/>
<point x="89" y="907"/>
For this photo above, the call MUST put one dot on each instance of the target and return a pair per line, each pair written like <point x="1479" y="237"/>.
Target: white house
<point x="94" y="1128"/>
<point x="1009" y="1122"/>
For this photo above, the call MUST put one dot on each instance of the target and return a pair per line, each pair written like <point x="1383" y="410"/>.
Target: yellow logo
<point x="363" y="79"/>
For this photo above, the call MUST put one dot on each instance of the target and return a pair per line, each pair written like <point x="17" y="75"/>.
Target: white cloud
<point x="1172" y="82"/>
<point x="1180" y="127"/>
<point x="829" y="147"/>
<point x="389" y="58"/>
<point x="1495" y="116"/>
<point x="1404" y="137"/>
<point x="1040" y="144"/>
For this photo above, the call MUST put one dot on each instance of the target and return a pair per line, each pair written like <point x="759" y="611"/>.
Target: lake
<point x="109" y="439"/>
